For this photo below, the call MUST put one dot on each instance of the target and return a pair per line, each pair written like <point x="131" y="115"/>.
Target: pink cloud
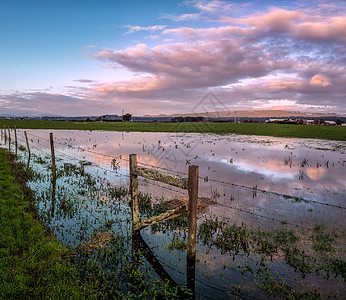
<point x="202" y="64"/>
<point x="295" y="23"/>
<point x="320" y="80"/>
<point x="288" y="46"/>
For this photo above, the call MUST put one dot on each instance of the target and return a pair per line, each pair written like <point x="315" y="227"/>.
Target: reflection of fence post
<point x="15" y="139"/>
<point x="27" y="146"/>
<point x="134" y="190"/>
<point x="9" y="139"/>
<point x="53" y="155"/>
<point x="191" y="242"/>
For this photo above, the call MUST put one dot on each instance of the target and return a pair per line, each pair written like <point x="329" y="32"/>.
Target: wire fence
<point x="225" y="196"/>
<point x="235" y="203"/>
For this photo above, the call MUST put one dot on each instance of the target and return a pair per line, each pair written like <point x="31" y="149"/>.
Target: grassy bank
<point x="276" y="130"/>
<point x="33" y="264"/>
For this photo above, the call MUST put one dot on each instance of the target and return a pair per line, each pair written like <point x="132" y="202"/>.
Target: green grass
<point x="277" y="130"/>
<point x="33" y="264"/>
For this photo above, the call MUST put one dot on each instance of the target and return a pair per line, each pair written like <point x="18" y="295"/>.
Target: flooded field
<point x="272" y="224"/>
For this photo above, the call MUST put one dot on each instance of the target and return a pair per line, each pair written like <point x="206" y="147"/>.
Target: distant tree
<point x="88" y="120"/>
<point x="127" y="117"/>
<point x="338" y="122"/>
<point x="177" y="119"/>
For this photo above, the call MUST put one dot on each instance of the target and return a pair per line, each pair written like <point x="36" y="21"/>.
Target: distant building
<point x="275" y="120"/>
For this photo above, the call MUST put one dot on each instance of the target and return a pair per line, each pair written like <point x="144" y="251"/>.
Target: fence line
<point x="240" y="209"/>
<point x="239" y="187"/>
<point x="207" y="179"/>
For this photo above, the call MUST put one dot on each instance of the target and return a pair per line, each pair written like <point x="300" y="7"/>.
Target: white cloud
<point x="135" y="28"/>
<point x="184" y="17"/>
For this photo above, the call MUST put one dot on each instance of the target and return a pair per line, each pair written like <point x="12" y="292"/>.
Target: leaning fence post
<point x="15" y="139"/>
<point x="53" y="155"/>
<point x="27" y="146"/>
<point x="134" y="190"/>
<point x="9" y="139"/>
<point x="191" y="242"/>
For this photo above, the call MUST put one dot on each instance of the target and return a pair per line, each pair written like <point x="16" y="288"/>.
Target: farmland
<point x="271" y="225"/>
<point x="276" y="130"/>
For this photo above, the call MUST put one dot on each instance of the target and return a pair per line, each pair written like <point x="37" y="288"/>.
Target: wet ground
<point x="261" y="182"/>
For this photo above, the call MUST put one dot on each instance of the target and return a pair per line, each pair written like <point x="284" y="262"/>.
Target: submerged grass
<point x="33" y="263"/>
<point x="277" y="130"/>
<point x="108" y="266"/>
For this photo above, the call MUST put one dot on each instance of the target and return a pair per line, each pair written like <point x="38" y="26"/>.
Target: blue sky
<point x="150" y="57"/>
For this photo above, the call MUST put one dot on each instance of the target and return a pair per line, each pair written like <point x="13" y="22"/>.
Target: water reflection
<point x="312" y="169"/>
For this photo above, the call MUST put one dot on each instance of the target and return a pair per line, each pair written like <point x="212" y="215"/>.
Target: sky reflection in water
<point x="312" y="169"/>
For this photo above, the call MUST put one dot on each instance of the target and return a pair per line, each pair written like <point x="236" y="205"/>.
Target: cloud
<point x="183" y="17"/>
<point x="132" y="28"/>
<point x="205" y="10"/>
<point x="89" y="47"/>
<point x="295" y="24"/>
<point x="203" y="64"/>
<point x="212" y="6"/>
<point x="292" y="59"/>
<point x="84" y="80"/>
<point x="34" y="103"/>
<point x="278" y="55"/>
<point x="320" y="79"/>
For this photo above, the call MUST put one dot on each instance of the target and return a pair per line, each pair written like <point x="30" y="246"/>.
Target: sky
<point x="96" y="57"/>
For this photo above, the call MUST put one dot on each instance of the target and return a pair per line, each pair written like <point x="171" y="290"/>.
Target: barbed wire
<point x="207" y="179"/>
<point x="283" y="222"/>
<point x="255" y="190"/>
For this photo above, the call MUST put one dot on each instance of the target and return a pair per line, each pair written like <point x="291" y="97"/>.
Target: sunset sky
<point x="88" y="57"/>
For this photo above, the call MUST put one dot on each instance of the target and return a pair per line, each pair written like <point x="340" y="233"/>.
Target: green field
<point x="33" y="264"/>
<point x="277" y="130"/>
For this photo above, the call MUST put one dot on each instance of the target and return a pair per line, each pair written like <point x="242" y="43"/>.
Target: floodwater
<point x="259" y="181"/>
<point x="311" y="169"/>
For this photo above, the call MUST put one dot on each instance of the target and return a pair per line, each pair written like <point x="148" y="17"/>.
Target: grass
<point x="33" y="264"/>
<point x="276" y="130"/>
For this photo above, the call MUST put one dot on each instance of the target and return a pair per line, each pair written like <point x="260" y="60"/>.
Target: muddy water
<point x="260" y="181"/>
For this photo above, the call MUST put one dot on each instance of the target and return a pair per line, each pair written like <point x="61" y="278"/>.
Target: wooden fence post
<point x="53" y="155"/>
<point x="2" y="134"/>
<point x="15" y="139"/>
<point x="134" y="190"/>
<point x="5" y="134"/>
<point x="27" y="146"/>
<point x="192" y="234"/>
<point x="9" y="139"/>
<point x="193" y="196"/>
